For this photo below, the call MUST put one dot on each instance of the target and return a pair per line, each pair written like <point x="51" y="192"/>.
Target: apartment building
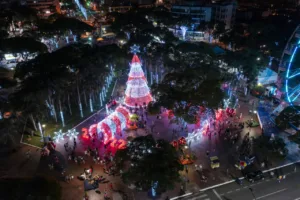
<point x="208" y="11"/>
<point x="44" y="8"/>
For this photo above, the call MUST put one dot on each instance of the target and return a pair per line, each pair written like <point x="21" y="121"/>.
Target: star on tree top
<point x="135" y="49"/>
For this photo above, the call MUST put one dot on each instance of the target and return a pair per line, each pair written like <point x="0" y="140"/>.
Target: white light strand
<point x="111" y="125"/>
<point x="137" y="92"/>
<point x="136" y="70"/>
<point x="122" y="118"/>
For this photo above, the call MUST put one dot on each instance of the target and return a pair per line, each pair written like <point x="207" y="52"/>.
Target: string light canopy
<point x="113" y="123"/>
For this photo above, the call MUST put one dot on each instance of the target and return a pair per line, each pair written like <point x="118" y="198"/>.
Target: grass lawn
<point x="70" y="121"/>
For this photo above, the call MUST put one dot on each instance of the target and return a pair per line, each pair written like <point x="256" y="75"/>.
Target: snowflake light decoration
<point x="72" y="133"/>
<point x="58" y="135"/>
<point x="135" y="49"/>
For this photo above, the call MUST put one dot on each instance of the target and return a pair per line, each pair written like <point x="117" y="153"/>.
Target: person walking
<point x="111" y="186"/>
<point x="28" y="154"/>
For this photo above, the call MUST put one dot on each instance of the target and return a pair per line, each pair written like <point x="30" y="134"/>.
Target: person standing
<point x="111" y="186"/>
<point x="28" y="154"/>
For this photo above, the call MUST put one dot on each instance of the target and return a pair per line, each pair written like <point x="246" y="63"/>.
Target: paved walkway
<point x="162" y="129"/>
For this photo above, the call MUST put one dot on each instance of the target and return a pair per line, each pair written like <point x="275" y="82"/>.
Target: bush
<point x="153" y="108"/>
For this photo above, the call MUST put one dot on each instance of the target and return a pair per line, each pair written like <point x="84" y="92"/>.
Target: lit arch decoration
<point x="292" y="73"/>
<point x="112" y="124"/>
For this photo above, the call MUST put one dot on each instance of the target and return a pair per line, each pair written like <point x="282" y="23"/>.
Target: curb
<point x="231" y="181"/>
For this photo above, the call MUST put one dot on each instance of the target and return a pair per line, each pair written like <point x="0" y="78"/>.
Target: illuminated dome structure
<point x="113" y="123"/>
<point x="137" y="91"/>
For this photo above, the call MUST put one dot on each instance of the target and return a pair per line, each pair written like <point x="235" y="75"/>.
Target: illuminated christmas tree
<point x="137" y="91"/>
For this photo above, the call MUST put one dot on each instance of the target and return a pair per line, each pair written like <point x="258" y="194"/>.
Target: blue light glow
<point x="296" y="90"/>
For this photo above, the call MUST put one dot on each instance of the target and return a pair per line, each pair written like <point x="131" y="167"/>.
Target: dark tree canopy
<point x="62" y="24"/>
<point x="193" y="79"/>
<point x="249" y="61"/>
<point x="189" y="87"/>
<point x="21" y="45"/>
<point x="147" y="161"/>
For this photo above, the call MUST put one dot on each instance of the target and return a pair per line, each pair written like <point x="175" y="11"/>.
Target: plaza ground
<point x="216" y="145"/>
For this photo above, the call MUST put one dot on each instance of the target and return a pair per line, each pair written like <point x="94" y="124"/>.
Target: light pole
<point x="43" y="129"/>
<point x="43" y="132"/>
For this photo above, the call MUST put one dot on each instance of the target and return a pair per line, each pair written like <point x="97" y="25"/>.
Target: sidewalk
<point x="18" y="165"/>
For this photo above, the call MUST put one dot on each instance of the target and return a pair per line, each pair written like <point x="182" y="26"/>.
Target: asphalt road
<point x="267" y="189"/>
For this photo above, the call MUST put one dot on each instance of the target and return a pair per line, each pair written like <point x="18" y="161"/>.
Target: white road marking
<point x="187" y="194"/>
<point x="225" y="183"/>
<point x="207" y="199"/>
<point x="297" y="198"/>
<point x="268" y="180"/>
<point x="289" y="164"/>
<point x="217" y="194"/>
<point x="270" y="194"/>
<point x="229" y="192"/>
<point x="218" y="185"/>
<point x="238" y="189"/>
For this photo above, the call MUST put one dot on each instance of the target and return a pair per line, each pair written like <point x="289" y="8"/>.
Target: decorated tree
<point x="153" y="164"/>
<point x="137" y="91"/>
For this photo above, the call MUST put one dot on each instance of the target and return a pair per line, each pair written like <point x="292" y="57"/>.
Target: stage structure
<point x="137" y="92"/>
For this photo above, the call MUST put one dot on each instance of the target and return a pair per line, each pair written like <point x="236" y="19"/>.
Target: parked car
<point x="255" y="176"/>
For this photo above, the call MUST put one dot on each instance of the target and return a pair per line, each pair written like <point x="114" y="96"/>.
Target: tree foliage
<point x="193" y="79"/>
<point x="248" y="61"/>
<point x="59" y="79"/>
<point x="146" y="161"/>
<point x="275" y="147"/>
<point x="63" y="24"/>
<point x="153" y="108"/>
<point x="289" y="117"/>
<point x="21" y="45"/>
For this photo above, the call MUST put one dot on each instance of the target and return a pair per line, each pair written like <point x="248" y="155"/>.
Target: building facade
<point x="206" y="11"/>
<point x="197" y="13"/>
<point x="224" y="12"/>
<point x="44" y="8"/>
